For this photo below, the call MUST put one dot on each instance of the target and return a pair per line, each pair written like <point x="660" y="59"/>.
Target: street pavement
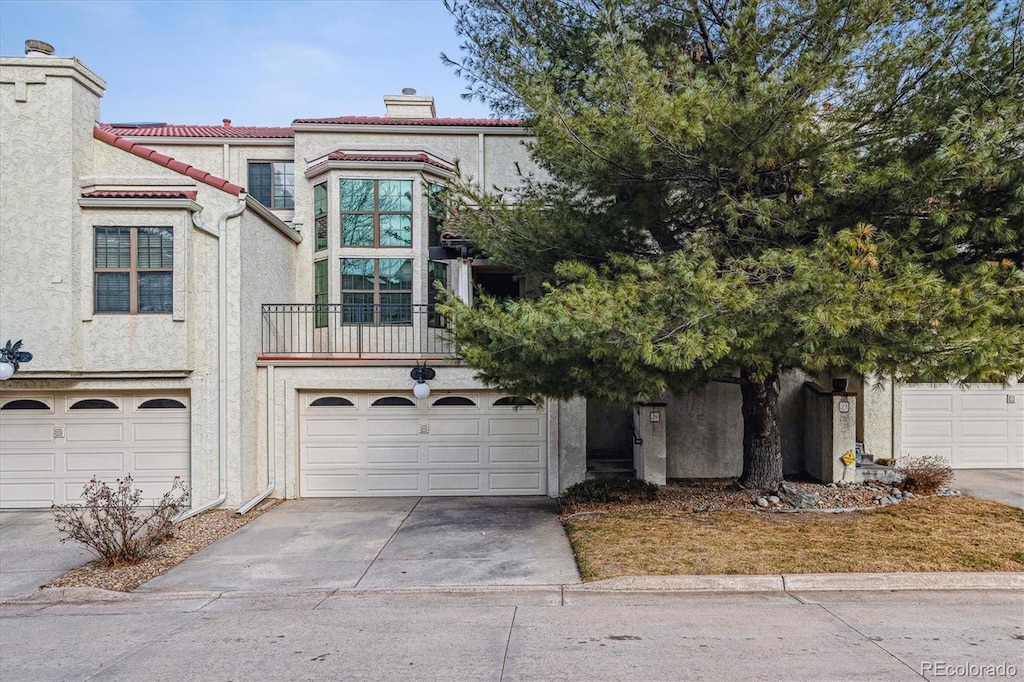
<point x="538" y="633"/>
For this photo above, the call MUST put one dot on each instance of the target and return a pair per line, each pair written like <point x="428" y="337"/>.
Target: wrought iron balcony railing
<point x="353" y="331"/>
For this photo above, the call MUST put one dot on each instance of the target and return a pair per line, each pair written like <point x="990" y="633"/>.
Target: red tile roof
<point x="140" y="194"/>
<point x="383" y="120"/>
<point x="115" y="140"/>
<point x="413" y="158"/>
<point x="165" y="130"/>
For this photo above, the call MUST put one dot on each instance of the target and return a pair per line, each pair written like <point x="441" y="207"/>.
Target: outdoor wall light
<point x="11" y="358"/>
<point x="421" y="374"/>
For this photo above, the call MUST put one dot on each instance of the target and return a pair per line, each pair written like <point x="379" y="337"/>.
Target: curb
<point x="670" y="584"/>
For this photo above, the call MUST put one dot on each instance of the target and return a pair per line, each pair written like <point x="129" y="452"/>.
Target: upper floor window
<point x="133" y="269"/>
<point x="272" y="183"/>
<point x="320" y="215"/>
<point x="376" y="213"/>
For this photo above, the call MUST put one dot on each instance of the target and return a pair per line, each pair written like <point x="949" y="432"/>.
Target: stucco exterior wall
<point x="47" y="105"/>
<point x="705" y="430"/>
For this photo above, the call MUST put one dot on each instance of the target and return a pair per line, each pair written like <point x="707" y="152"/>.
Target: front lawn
<point x="923" y="534"/>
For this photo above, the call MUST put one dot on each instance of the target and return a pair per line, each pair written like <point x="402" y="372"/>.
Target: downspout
<point x="271" y="446"/>
<point x="222" y="349"/>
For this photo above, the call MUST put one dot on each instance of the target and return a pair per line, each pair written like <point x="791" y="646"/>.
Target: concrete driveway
<point x="31" y="553"/>
<point x="385" y="542"/>
<point x="1000" y="485"/>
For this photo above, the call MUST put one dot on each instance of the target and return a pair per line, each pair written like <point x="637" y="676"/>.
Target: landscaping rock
<point x="762" y="502"/>
<point x="797" y="497"/>
<point x="774" y="499"/>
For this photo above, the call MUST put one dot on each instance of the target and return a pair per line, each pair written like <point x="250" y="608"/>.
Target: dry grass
<point x="925" y="534"/>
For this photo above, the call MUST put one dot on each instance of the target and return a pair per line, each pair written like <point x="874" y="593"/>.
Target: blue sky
<point x="256" y="62"/>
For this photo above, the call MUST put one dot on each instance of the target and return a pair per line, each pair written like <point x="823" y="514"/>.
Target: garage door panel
<point x="327" y="456"/>
<point x="519" y="454"/>
<point x="449" y="448"/>
<point x="454" y="454"/>
<point x="26" y="433"/>
<point x="331" y="484"/>
<point x="393" y="484"/>
<point x="514" y="482"/>
<point x="163" y="432"/>
<point x="172" y="462"/>
<point x="983" y="402"/>
<point x="454" y="427"/>
<point x="454" y="483"/>
<point x="37" y="461"/>
<point x="396" y="454"/>
<point x="990" y="429"/>
<point x="982" y="456"/>
<point x="515" y="427"/>
<point x="98" y="463"/>
<point x="27" y="495"/>
<point x="393" y="427"/>
<point x="335" y="428"/>
<point x="930" y="403"/>
<point x="95" y="433"/>
<point x="931" y="429"/>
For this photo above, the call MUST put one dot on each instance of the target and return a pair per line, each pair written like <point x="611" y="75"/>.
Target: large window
<point x="437" y="275"/>
<point x="376" y="291"/>
<point x="376" y="213"/>
<point x="272" y="183"/>
<point x="133" y="269"/>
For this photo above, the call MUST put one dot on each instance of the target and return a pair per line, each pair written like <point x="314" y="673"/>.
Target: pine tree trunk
<point x="762" y="443"/>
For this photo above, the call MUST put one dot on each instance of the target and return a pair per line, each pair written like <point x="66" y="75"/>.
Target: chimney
<point x="38" y="48"/>
<point x="409" y="105"/>
<point x="227" y="123"/>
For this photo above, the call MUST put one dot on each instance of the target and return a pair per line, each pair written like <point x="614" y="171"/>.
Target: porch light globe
<point x="420" y="389"/>
<point x="7" y="371"/>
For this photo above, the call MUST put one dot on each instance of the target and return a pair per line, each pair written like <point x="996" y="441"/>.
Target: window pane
<point x="320" y="277"/>
<point x="396" y="230"/>
<point x="357" y="273"/>
<point x="113" y="247"/>
<point x="112" y="295"/>
<point x="395" y="273"/>
<point x="320" y="215"/>
<point x="395" y="195"/>
<point x="156" y="293"/>
<point x="396" y="308"/>
<point x="357" y="195"/>
<point x="284" y="185"/>
<point x="357" y="230"/>
<point x="156" y="247"/>
<point x="357" y="309"/>
<point x="259" y="182"/>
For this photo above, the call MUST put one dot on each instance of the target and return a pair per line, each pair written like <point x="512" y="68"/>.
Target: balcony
<point x="311" y="330"/>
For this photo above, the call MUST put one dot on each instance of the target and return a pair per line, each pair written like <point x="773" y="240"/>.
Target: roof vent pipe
<point x="227" y="123"/>
<point x="38" y="48"/>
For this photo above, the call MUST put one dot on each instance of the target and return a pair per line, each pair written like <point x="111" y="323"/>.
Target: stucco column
<point x="649" y="458"/>
<point x="844" y="437"/>
<point x="572" y="442"/>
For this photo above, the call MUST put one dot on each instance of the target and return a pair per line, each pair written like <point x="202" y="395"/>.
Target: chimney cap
<point x="227" y="122"/>
<point x="39" y="46"/>
<point x="408" y="91"/>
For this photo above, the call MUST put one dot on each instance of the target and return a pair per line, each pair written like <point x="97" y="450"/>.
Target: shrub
<point x="609" y="490"/>
<point x="113" y="523"/>
<point x="926" y="475"/>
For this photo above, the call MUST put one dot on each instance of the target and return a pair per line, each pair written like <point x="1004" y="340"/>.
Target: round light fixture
<point x="420" y="390"/>
<point x="6" y="371"/>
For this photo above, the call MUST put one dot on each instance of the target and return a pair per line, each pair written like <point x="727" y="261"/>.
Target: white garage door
<point x="51" y="445"/>
<point x="977" y="427"/>
<point x="374" y="444"/>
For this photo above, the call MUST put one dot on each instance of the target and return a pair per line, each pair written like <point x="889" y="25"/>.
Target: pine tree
<point x="730" y="189"/>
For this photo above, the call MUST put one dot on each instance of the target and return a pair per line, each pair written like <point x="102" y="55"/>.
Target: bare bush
<point x="926" y="475"/>
<point x="113" y="523"/>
